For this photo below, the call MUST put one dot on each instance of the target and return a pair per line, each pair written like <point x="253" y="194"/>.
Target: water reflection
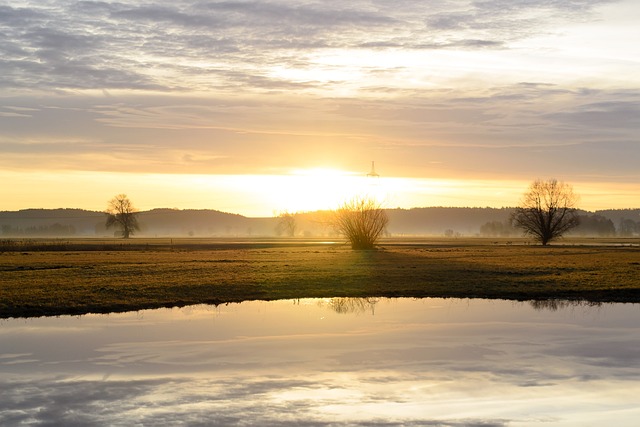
<point x="555" y="304"/>
<point x="346" y="305"/>
<point x="327" y="362"/>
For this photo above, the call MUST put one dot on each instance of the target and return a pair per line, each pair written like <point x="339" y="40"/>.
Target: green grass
<point x="81" y="276"/>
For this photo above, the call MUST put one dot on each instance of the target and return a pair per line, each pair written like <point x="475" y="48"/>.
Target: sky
<point x="260" y="107"/>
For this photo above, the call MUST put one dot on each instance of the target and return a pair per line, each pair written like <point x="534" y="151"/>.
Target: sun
<point x="314" y="189"/>
<point x="295" y="191"/>
<point x="320" y="188"/>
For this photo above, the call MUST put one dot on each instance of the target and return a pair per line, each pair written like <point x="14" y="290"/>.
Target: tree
<point x="362" y="221"/>
<point x="595" y="225"/>
<point x="286" y="224"/>
<point x="628" y="227"/>
<point x="497" y="229"/>
<point x="121" y="213"/>
<point x="547" y="210"/>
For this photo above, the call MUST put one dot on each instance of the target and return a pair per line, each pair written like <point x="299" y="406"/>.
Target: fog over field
<point x="434" y="221"/>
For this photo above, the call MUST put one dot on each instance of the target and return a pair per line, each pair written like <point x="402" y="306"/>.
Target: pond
<point x="316" y="362"/>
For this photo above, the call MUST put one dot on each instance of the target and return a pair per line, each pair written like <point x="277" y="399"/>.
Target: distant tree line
<point x="594" y="225"/>
<point x="498" y="229"/>
<point x="628" y="228"/>
<point x="40" y="230"/>
<point x="588" y="225"/>
<point x="547" y="211"/>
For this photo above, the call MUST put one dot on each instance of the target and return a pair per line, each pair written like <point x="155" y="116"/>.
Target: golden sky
<point x="256" y="107"/>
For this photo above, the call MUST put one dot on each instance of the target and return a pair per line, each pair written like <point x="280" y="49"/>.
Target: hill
<point x="426" y="221"/>
<point x="156" y="222"/>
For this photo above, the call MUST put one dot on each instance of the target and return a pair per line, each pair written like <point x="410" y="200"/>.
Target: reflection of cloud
<point x="191" y="401"/>
<point x="474" y="358"/>
<point x="416" y="362"/>
<point x="603" y="352"/>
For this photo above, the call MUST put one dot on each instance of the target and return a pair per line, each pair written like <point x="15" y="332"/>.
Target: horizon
<point x="258" y="108"/>
<point x="275" y="216"/>
<point x="315" y="192"/>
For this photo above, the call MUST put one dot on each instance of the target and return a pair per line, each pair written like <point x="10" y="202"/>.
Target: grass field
<point x="55" y="277"/>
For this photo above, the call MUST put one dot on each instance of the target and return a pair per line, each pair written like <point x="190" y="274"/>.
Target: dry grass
<point x="97" y="276"/>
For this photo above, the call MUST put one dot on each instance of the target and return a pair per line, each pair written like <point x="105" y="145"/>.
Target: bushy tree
<point x="362" y="221"/>
<point x="547" y="210"/>
<point x="121" y="213"/>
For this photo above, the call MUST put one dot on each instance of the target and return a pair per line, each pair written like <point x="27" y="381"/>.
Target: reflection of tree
<point x="352" y="305"/>
<point x="557" y="304"/>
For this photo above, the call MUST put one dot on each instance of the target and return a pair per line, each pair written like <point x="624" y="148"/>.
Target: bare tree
<point x="547" y="210"/>
<point x="286" y="224"/>
<point x="362" y="221"/>
<point x="121" y="213"/>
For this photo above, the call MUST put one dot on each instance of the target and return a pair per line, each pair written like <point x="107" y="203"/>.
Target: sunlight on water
<point x="326" y="361"/>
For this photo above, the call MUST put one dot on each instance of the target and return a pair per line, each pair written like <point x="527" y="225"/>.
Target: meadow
<point x="58" y="277"/>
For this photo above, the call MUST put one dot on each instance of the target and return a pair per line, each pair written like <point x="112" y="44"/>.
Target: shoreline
<point x="81" y="277"/>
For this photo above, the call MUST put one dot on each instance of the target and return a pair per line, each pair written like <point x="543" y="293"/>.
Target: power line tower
<point x="372" y="173"/>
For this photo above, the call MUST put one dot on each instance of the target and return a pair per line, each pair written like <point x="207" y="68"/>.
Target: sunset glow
<point x="281" y="106"/>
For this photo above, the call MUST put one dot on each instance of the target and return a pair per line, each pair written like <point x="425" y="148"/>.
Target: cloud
<point x="268" y="86"/>
<point x="517" y="130"/>
<point x="154" y="46"/>
<point x="606" y="116"/>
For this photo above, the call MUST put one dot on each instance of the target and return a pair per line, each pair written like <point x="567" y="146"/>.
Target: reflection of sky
<point x="402" y="362"/>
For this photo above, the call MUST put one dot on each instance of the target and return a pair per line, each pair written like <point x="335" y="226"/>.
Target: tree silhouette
<point x="547" y="210"/>
<point x="286" y="224"/>
<point x="362" y="221"/>
<point x="121" y="213"/>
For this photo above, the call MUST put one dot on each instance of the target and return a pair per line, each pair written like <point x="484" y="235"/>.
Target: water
<point x="444" y="362"/>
